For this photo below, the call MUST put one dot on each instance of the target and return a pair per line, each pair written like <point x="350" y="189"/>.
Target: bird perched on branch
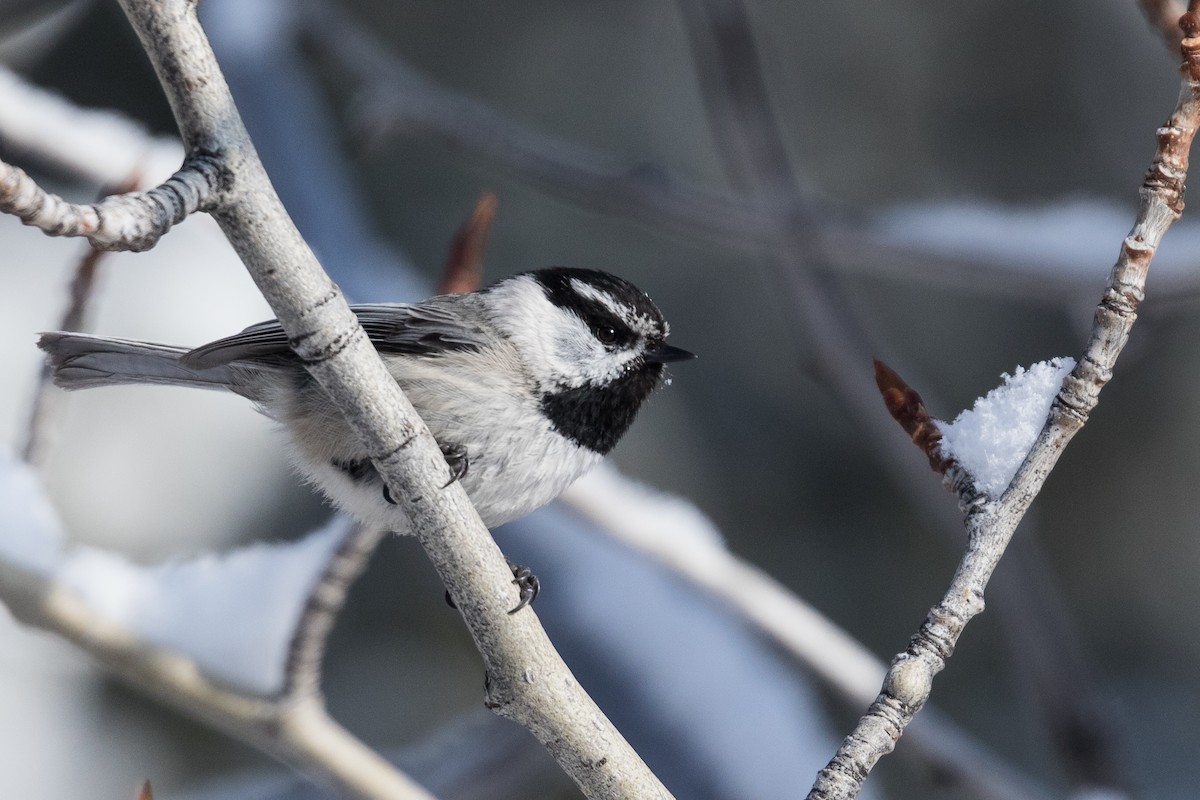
<point x="525" y="385"/>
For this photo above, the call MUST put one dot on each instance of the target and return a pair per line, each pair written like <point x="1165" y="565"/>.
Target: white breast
<point x="517" y="462"/>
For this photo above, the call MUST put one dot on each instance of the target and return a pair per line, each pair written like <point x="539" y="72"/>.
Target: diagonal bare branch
<point x="528" y="681"/>
<point x="801" y="259"/>
<point x="991" y="526"/>
<point x="306" y="653"/>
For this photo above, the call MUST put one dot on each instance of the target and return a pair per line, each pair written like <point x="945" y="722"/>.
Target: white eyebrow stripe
<point x="589" y="292"/>
<point x="641" y="323"/>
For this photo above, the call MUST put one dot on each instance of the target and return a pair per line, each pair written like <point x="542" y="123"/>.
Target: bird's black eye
<point x="607" y="334"/>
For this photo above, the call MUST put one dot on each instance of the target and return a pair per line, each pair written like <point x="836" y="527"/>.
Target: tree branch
<point x="133" y="221"/>
<point x="990" y="525"/>
<point x="528" y="681"/>
<point x="302" y="675"/>
<point x="306" y="654"/>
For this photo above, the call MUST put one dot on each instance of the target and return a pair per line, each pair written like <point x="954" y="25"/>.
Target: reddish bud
<point x="463" y="271"/>
<point x="907" y="408"/>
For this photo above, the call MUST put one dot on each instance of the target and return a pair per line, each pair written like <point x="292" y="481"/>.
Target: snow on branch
<point x="232" y="614"/>
<point x="979" y="452"/>
<point x="992" y="439"/>
<point x="990" y="526"/>
<point x="210" y="635"/>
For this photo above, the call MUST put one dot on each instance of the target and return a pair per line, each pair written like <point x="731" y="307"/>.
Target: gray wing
<point x="430" y="328"/>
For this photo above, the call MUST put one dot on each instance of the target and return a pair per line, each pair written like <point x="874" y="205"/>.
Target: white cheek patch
<point x="557" y="347"/>
<point x="585" y="360"/>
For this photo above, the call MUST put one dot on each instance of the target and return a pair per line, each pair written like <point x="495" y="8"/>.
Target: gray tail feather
<point x="81" y="361"/>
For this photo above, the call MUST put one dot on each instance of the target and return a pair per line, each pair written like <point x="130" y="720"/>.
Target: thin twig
<point x="46" y="401"/>
<point x="1085" y="740"/>
<point x="306" y="652"/>
<point x="990" y="526"/>
<point x="463" y="270"/>
<point x="133" y="221"/>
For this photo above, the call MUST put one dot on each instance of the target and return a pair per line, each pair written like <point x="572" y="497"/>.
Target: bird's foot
<point x="457" y="460"/>
<point x="527" y="583"/>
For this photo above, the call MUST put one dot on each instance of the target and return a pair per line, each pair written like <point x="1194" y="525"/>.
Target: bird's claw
<point x="456" y="460"/>
<point x="526" y="582"/>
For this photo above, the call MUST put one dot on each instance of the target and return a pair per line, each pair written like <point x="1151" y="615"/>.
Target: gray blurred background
<point x="906" y="124"/>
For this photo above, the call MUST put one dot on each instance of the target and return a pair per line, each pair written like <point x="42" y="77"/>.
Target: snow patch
<point x="233" y="613"/>
<point x="31" y="534"/>
<point x="993" y="438"/>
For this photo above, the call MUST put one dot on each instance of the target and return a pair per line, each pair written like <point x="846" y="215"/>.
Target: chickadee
<point x="525" y="384"/>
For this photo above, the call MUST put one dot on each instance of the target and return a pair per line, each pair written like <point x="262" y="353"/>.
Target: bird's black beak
<point x="663" y="353"/>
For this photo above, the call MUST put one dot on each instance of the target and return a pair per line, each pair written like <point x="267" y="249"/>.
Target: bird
<point x="526" y="385"/>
